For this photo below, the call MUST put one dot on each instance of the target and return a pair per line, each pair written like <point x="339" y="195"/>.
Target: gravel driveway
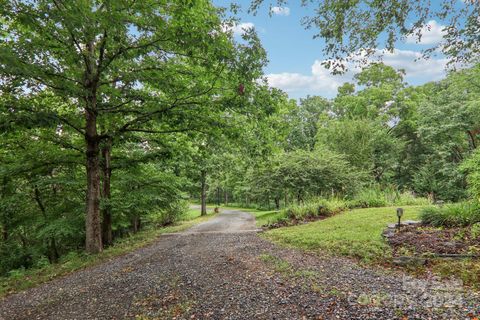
<point x="222" y="269"/>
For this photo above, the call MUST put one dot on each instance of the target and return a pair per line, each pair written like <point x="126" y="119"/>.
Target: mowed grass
<point x="356" y="233"/>
<point x="21" y="280"/>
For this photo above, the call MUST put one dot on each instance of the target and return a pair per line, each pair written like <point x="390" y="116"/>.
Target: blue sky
<point x="295" y="57"/>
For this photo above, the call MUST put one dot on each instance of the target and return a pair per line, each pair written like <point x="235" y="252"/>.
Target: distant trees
<point x="377" y="132"/>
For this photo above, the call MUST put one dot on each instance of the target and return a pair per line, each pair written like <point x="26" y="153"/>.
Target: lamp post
<point x="399" y="215"/>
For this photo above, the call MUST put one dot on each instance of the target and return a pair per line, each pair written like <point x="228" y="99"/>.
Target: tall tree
<point x="118" y="67"/>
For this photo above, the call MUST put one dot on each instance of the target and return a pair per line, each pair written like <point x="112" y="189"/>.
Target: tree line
<point x="378" y="133"/>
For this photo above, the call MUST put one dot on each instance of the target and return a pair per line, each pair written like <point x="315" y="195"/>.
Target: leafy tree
<point x="448" y="127"/>
<point x="303" y="121"/>
<point x="381" y="85"/>
<point x="366" y="144"/>
<point x="321" y="172"/>
<point x="119" y="68"/>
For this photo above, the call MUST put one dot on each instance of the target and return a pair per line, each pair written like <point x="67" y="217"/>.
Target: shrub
<point x="452" y="215"/>
<point x="316" y="208"/>
<point x="369" y="198"/>
<point x="471" y="167"/>
<point x="171" y="214"/>
<point x="376" y="197"/>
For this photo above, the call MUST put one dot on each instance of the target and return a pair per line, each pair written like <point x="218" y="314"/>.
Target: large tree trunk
<point x="226" y="197"/>
<point x="93" y="223"/>
<point x="93" y="240"/>
<point x="106" y="210"/>
<point x="203" y="180"/>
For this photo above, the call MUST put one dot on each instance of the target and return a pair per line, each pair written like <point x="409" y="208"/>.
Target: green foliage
<point x="370" y="198"/>
<point x="316" y="208"/>
<point x="146" y="191"/>
<point x="468" y="270"/>
<point x="117" y="96"/>
<point x="150" y="111"/>
<point x="452" y="215"/>
<point x="472" y="167"/>
<point x="266" y="218"/>
<point x="315" y="173"/>
<point x="303" y="122"/>
<point x="475" y="230"/>
<point x="382" y="197"/>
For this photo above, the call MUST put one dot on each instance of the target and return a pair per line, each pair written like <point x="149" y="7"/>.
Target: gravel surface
<point x="223" y="270"/>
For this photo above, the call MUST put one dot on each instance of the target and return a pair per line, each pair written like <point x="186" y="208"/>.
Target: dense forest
<point x="116" y="117"/>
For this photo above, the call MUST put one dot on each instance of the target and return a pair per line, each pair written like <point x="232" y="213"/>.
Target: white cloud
<point x="415" y="66"/>
<point x="322" y="82"/>
<point x="240" y="28"/>
<point x="280" y="11"/>
<point x="432" y="33"/>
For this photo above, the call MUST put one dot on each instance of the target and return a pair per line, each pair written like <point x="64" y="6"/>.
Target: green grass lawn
<point x="21" y="280"/>
<point x="356" y="233"/>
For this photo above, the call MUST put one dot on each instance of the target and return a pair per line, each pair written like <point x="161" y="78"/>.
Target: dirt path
<point x="222" y="269"/>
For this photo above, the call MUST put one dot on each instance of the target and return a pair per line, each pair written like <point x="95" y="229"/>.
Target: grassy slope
<point x="355" y="233"/>
<point x="74" y="261"/>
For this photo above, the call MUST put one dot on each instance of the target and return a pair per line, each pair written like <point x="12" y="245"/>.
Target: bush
<point x="316" y="208"/>
<point x="377" y="197"/>
<point x="471" y="167"/>
<point x="369" y="198"/>
<point x="452" y="215"/>
<point x="171" y="214"/>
